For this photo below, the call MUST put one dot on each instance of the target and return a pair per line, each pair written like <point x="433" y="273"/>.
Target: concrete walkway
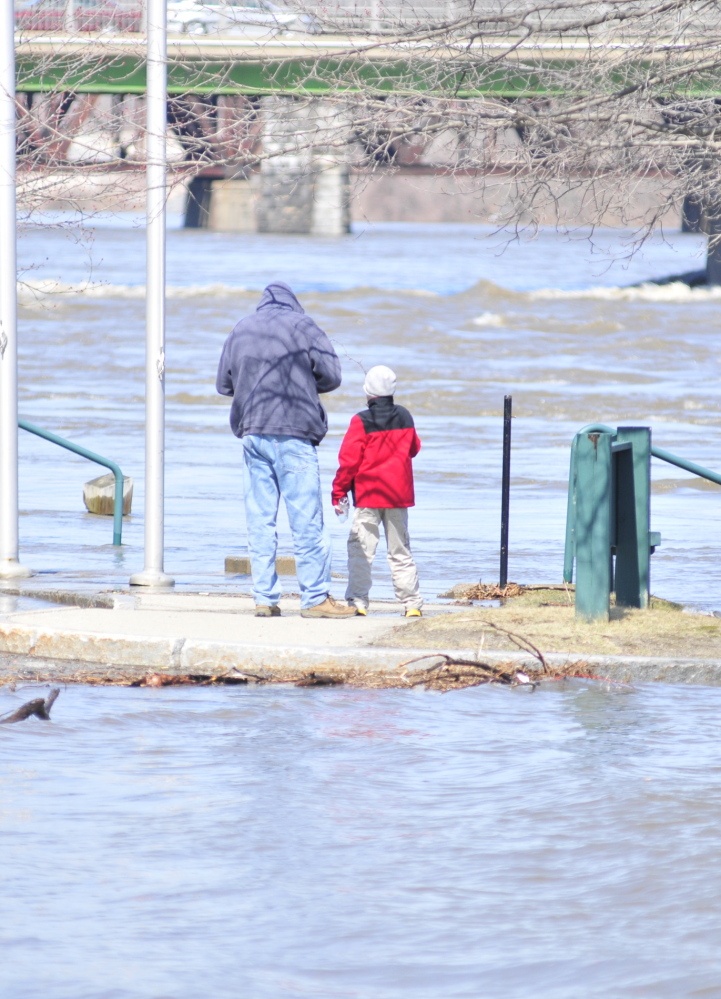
<point x="132" y="634"/>
<point x="204" y="633"/>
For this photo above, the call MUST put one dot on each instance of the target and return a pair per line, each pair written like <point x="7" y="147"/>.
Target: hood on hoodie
<point x="279" y="294"/>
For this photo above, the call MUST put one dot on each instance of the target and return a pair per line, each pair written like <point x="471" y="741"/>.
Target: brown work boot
<point x="329" y="608"/>
<point x="267" y="610"/>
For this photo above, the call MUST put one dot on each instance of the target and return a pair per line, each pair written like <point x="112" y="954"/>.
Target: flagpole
<point x="10" y="566"/>
<point x="153" y="573"/>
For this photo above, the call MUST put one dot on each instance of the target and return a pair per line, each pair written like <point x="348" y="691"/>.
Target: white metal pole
<point x="9" y="565"/>
<point x="156" y="123"/>
<point x="69" y="16"/>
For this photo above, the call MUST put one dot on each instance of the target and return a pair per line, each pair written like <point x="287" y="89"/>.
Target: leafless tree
<point x="556" y="111"/>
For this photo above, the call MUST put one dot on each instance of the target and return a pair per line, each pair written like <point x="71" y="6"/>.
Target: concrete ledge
<point x="628" y="669"/>
<point x="53" y="654"/>
<point x="20" y="641"/>
<point x="274" y="659"/>
<point x="194" y="655"/>
<point x="240" y="564"/>
<point x="115" y="650"/>
<point x="112" y="650"/>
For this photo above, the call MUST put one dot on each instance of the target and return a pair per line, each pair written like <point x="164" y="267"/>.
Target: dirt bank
<point x="547" y="618"/>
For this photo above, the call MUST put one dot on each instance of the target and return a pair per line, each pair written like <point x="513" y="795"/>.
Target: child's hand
<point x="341" y="507"/>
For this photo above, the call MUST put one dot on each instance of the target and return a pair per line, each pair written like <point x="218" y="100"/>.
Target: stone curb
<point x="629" y="669"/>
<point x="196" y="655"/>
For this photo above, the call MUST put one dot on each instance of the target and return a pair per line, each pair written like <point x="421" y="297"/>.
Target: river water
<point x="263" y="842"/>
<point x="461" y="319"/>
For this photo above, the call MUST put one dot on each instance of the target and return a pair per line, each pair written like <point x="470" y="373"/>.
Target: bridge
<point x="319" y="66"/>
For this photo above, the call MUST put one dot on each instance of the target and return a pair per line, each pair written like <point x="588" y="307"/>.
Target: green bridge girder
<point x="302" y="68"/>
<point x="290" y="76"/>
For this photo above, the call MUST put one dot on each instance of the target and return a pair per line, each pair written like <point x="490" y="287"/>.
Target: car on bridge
<point x="252" y="17"/>
<point x="77" y="15"/>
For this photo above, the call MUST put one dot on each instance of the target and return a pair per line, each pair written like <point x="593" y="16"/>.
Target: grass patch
<point x="547" y="618"/>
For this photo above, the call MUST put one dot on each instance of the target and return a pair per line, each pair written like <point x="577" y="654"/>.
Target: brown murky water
<point x="173" y="844"/>
<point x="177" y="844"/>
<point x="462" y="323"/>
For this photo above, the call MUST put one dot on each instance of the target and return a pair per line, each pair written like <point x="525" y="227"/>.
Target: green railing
<point x="91" y="456"/>
<point x="609" y="515"/>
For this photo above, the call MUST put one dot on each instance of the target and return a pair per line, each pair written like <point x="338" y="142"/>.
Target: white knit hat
<point x="380" y="380"/>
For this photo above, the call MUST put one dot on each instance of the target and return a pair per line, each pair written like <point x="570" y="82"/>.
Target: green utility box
<point x="608" y="520"/>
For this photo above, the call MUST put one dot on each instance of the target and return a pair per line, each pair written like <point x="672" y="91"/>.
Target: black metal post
<point x="505" y="487"/>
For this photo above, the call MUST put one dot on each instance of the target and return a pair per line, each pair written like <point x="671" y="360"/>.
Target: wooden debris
<point x="188" y="679"/>
<point x="465" y="592"/>
<point x="40" y="707"/>
<point x="318" y="680"/>
<point x="456" y="674"/>
<point x="521" y="643"/>
<point x="491" y="591"/>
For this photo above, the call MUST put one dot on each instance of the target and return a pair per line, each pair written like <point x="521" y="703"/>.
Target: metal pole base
<point x="151" y="577"/>
<point x="14" y="570"/>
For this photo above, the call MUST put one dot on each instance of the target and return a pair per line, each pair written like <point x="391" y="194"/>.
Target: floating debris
<point x="319" y="680"/>
<point x="490" y="591"/>
<point x="456" y="674"/>
<point x="40" y="708"/>
<point x="465" y="592"/>
<point x="188" y="679"/>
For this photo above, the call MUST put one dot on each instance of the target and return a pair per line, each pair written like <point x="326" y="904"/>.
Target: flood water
<point x="265" y="842"/>
<point x="461" y="321"/>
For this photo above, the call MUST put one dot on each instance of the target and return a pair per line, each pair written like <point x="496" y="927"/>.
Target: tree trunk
<point x="713" y="254"/>
<point x="691" y="214"/>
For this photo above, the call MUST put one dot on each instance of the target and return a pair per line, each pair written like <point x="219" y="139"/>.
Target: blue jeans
<point x="274" y="466"/>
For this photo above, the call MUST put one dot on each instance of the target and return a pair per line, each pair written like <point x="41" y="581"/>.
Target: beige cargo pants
<point x="362" y="544"/>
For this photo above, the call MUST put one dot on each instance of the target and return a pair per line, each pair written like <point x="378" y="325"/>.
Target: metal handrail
<point x="689" y="466"/>
<point x="91" y="456"/>
<point x="657" y="452"/>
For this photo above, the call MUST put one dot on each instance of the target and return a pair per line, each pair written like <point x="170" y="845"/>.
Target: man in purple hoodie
<point x="274" y="364"/>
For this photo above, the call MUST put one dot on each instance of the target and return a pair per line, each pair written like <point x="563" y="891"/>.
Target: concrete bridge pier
<point x="331" y="197"/>
<point x="309" y="197"/>
<point x="304" y="186"/>
<point x="285" y="196"/>
<point x="301" y="187"/>
<point x="232" y="204"/>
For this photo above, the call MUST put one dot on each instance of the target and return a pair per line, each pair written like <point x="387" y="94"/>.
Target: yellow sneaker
<point x="412" y="612"/>
<point x="361" y="612"/>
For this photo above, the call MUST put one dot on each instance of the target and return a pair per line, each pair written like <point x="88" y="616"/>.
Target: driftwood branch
<point x="40" y="707"/>
<point x="522" y="643"/>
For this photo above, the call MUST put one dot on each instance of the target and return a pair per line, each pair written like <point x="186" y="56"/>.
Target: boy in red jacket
<point x="375" y="465"/>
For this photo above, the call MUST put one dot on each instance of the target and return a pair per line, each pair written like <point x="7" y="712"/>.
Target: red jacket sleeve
<point x="416" y="445"/>
<point x="349" y="459"/>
